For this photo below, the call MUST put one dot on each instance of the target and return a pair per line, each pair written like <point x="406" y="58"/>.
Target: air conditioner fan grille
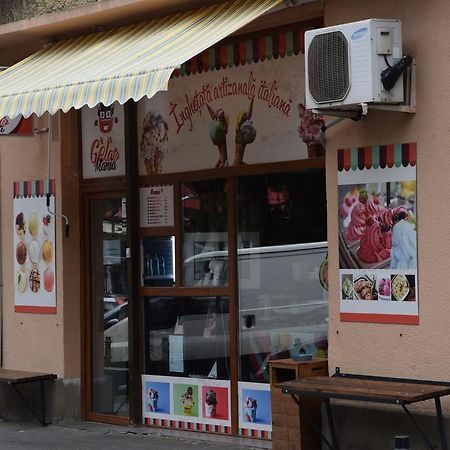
<point x="328" y="75"/>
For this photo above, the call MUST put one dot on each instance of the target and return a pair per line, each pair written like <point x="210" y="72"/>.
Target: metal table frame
<point x="41" y="379"/>
<point x="368" y="398"/>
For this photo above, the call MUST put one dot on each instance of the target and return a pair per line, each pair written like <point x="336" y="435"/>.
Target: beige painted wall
<point x="396" y="350"/>
<point x="38" y="342"/>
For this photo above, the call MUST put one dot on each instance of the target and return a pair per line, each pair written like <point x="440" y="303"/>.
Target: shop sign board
<point x="236" y="115"/>
<point x="18" y="126"/>
<point x="34" y="247"/>
<point x="378" y="234"/>
<point x="103" y="141"/>
<point x="187" y="400"/>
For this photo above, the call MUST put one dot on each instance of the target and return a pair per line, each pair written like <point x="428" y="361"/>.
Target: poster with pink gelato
<point x="378" y="234"/>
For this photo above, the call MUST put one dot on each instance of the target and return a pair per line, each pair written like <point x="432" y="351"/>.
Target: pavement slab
<point x="88" y="435"/>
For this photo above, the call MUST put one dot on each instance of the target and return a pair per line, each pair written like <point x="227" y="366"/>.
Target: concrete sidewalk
<point x="88" y="435"/>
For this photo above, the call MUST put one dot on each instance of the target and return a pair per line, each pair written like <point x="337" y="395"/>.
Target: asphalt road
<point x="86" y="436"/>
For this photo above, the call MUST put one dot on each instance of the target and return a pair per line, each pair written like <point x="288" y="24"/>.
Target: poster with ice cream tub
<point x="378" y="234"/>
<point x="237" y="115"/>
<point x="255" y="410"/>
<point x="188" y="400"/>
<point x="103" y="141"/>
<point x="34" y="247"/>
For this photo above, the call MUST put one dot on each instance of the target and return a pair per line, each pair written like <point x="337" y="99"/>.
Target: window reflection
<point x="281" y="237"/>
<point x="205" y="238"/>
<point x="187" y="336"/>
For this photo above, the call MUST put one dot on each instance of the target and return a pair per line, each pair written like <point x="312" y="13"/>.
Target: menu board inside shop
<point x="378" y="234"/>
<point x="156" y="206"/>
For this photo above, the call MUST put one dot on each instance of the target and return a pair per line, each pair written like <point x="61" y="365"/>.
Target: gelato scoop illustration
<point x="245" y="133"/>
<point x="404" y="252"/>
<point x="35" y="252"/>
<point x="47" y="251"/>
<point x="154" y="142"/>
<point x="218" y="129"/>
<point x="21" y="253"/>
<point x="250" y="406"/>
<point x="210" y="403"/>
<point x="49" y="280"/>
<point x="20" y="225"/>
<point x="35" y="280"/>
<point x="33" y="225"/>
<point x="21" y="281"/>
<point x="309" y="131"/>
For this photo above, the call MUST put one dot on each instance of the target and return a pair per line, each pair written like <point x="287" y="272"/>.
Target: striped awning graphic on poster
<point x="120" y="64"/>
<point x="377" y="156"/>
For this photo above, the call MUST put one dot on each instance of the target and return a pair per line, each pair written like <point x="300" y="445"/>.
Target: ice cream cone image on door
<point x="218" y="129"/>
<point x="245" y="133"/>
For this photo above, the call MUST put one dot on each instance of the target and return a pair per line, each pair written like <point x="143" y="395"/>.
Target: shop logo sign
<point x="104" y="153"/>
<point x="8" y="125"/>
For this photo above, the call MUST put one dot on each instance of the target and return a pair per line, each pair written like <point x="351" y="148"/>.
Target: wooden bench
<point x="395" y="391"/>
<point x="14" y="378"/>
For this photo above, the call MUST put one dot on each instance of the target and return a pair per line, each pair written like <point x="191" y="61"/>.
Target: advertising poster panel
<point x="191" y="401"/>
<point x="378" y="234"/>
<point x="34" y="247"/>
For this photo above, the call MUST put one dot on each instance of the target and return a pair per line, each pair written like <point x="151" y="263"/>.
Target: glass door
<point x="108" y="381"/>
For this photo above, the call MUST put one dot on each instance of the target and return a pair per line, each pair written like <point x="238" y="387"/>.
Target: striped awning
<point x="121" y="64"/>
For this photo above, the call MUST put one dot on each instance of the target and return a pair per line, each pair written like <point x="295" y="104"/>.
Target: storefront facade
<point x="193" y="327"/>
<point x="195" y="218"/>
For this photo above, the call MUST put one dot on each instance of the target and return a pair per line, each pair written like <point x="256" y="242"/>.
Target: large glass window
<point x="205" y="237"/>
<point x="187" y="336"/>
<point x="281" y="238"/>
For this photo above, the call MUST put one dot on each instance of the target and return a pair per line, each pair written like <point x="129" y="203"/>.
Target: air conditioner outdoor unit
<point x="344" y="64"/>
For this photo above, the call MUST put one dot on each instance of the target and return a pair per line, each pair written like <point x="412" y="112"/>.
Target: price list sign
<point x="156" y="206"/>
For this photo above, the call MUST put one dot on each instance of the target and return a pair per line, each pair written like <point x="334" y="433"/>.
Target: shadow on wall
<point x="15" y="10"/>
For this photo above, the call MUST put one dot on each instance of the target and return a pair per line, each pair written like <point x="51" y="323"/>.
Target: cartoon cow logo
<point x="106" y="118"/>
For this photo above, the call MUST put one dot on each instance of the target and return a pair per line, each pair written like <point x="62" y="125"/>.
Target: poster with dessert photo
<point x="378" y="234"/>
<point x="34" y="247"/>
<point x="254" y="408"/>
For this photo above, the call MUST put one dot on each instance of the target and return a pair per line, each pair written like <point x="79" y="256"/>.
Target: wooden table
<point x="395" y="391"/>
<point x="14" y="378"/>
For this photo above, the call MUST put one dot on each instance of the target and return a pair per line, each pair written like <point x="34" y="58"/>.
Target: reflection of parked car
<point x="283" y="308"/>
<point x="115" y="315"/>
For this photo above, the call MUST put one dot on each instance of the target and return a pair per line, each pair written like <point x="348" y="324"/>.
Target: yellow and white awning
<point x="121" y="64"/>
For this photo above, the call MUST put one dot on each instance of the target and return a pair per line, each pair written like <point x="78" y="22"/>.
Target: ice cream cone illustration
<point x="309" y="131"/>
<point x="218" y="129"/>
<point x="154" y="142"/>
<point x="245" y="133"/>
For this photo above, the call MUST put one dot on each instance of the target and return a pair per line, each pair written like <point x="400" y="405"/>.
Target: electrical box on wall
<point x="344" y="64"/>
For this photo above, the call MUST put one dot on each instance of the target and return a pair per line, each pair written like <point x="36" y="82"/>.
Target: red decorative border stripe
<point x="191" y="426"/>
<point x="258" y="434"/>
<point x="380" y="318"/>
<point x="35" y="309"/>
